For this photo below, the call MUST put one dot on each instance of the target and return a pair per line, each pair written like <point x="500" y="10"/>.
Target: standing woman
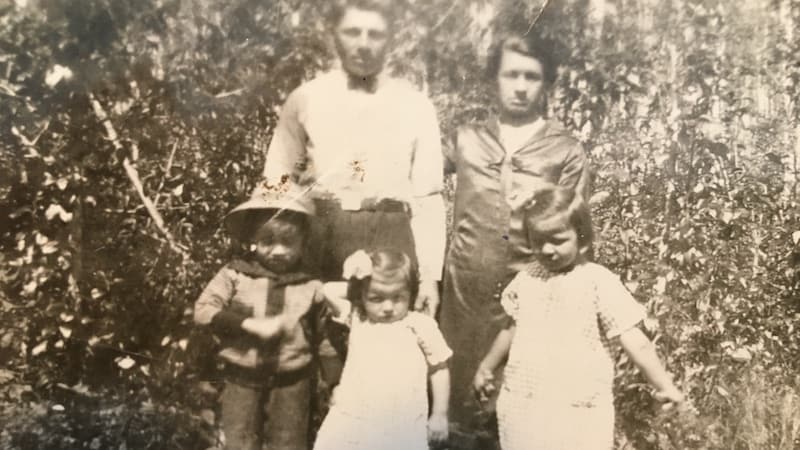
<point x="498" y="165"/>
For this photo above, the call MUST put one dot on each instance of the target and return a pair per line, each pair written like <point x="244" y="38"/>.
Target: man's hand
<point x="427" y="298"/>
<point x="438" y="429"/>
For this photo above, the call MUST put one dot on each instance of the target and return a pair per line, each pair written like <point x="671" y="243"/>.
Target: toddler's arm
<point x="212" y="308"/>
<point x="335" y="293"/>
<point x="482" y="382"/>
<point x="438" y="428"/>
<point x="213" y="300"/>
<point x="643" y="353"/>
<point x="265" y="327"/>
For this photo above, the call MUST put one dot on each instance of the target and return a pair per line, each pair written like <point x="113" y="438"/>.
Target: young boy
<point x="270" y="317"/>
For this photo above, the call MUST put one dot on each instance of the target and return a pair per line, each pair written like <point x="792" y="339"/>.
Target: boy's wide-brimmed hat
<point x="268" y="202"/>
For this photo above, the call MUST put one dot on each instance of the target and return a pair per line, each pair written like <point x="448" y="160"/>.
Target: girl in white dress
<point x="565" y="311"/>
<point x="382" y="399"/>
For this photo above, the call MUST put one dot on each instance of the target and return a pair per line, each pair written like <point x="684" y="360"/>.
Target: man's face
<point x="520" y="85"/>
<point x="361" y="40"/>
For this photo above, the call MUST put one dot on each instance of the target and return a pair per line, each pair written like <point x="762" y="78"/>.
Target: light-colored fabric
<point x="240" y="293"/>
<point x="382" y="400"/>
<point x="514" y="137"/>
<point x="350" y="145"/>
<point x="557" y="385"/>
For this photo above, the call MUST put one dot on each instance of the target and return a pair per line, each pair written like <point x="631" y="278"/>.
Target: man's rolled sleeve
<point x="427" y="173"/>
<point x="428" y="225"/>
<point x="287" y="148"/>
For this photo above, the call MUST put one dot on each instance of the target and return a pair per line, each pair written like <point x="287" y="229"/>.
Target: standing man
<point x="498" y="165"/>
<point x="367" y="148"/>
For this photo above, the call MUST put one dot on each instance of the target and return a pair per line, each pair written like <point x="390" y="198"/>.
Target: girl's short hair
<point x="556" y="200"/>
<point x="531" y="44"/>
<point x="386" y="263"/>
<point x="386" y="8"/>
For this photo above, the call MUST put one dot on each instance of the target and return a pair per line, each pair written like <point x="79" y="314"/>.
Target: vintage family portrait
<point x="400" y="224"/>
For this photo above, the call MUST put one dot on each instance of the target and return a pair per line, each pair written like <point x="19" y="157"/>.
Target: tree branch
<point x="538" y="16"/>
<point x="133" y="175"/>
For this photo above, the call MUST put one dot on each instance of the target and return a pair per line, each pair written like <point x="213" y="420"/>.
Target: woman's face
<point x="521" y="86"/>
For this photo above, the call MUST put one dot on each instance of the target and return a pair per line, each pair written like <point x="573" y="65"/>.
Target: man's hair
<point x="386" y="8"/>
<point x="386" y="263"/>
<point x="552" y="201"/>
<point x="531" y="44"/>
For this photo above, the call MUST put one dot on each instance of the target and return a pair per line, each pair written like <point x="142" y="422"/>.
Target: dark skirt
<point x="470" y="318"/>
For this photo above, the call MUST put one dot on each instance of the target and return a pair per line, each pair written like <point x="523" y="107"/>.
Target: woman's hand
<point x="483" y="383"/>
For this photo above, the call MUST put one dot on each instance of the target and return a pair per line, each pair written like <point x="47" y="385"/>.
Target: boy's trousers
<point x="275" y="414"/>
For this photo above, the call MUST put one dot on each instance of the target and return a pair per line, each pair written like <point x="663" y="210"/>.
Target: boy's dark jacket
<point x="244" y="289"/>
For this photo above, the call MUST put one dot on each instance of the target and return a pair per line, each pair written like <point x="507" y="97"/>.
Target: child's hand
<point x="438" y="428"/>
<point x="265" y="328"/>
<point x="483" y="383"/>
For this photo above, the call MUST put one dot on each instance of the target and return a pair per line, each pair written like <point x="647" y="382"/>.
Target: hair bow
<point x="358" y="265"/>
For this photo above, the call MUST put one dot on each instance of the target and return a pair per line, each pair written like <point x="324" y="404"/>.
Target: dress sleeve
<point x="617" y="310"/>
<point x="575" y="173"/>
<point x="430" y="339"/>
<point x="509" y="300"/>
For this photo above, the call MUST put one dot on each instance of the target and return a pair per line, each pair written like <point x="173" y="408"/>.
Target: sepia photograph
<point x="400" y="224"/>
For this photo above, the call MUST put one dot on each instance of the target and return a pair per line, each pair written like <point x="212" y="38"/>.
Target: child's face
<point x="554" y="242"/>
<point x="387" y="300"/>
<point x="279" y="245"/>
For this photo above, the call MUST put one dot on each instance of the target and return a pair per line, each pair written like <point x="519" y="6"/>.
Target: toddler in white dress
<point x="382" y="399"/>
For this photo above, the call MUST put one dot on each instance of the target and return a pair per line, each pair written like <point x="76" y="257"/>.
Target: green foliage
<point x="695" y="173"/>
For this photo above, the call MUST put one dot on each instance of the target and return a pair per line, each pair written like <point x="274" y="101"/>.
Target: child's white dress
<point x="382" y="399"/>
<point x="557" y="386"/>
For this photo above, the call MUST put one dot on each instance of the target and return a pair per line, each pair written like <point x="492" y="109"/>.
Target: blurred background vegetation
<point x="128" y="129"/>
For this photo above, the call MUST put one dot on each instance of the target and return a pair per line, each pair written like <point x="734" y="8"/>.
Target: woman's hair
<point x="387" y="263"/>
<point x="386" y="8"/>
<point x="529" y="43"/>
<point x="552" y="201"/>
